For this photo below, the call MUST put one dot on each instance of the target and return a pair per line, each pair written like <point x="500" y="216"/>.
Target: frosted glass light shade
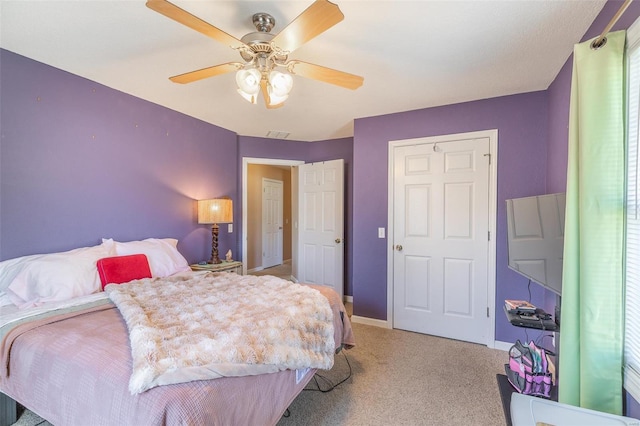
<point x="249" y="97"/>
<point x="249" y="81"/>
<point x="217" y="210"/>
<point x="281" y="84"/>
<point x="275" y="99"/>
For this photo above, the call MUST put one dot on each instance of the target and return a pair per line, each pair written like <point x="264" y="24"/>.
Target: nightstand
<point x="232" y="266"/>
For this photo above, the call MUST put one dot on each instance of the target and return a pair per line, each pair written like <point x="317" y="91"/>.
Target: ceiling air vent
<point x="278" y="134"/>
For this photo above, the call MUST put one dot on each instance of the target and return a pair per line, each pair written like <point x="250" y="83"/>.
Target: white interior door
<point x="441" y="238"/>
<point x="321" y="224"/>
<point x="272" y="227"/>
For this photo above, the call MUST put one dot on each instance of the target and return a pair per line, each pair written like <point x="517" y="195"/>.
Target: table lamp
<point x="215" y="211"/>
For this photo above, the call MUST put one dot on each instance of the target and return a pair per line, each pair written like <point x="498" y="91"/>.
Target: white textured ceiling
<point x="412" y="54"/>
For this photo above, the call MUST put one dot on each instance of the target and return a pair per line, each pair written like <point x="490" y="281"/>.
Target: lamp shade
<point x="216" y="210"/>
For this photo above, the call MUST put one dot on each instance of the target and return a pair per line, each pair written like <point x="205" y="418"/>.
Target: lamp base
<point x="214" y="245"/>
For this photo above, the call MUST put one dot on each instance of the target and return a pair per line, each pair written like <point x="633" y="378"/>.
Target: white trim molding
<point x="370" y="321"/>
<point x="245" y="164"/>
<point x="502" y="346"/>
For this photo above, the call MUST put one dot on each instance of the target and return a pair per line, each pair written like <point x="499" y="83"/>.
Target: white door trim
<point x="245" y="166"/>
<point x="493" y="202"/>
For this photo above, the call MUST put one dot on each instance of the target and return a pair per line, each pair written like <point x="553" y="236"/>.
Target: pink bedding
<point x="76" y="371"/>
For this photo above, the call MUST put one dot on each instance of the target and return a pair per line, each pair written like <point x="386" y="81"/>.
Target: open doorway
<point x="256" y="245"/>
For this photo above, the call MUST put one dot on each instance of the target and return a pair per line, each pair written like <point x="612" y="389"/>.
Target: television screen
<point x="535" y="238"/>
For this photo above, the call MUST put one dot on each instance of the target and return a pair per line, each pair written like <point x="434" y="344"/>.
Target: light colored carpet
<point x="404" y="378"/>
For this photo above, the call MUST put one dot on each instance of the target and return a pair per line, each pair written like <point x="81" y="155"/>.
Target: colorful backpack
<point x="528" y="370"/>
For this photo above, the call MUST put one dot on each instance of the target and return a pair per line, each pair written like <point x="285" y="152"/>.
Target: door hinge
<point x="488" y="235"/>
<point x="488" y="155"/>
<point x="487" y="312"/>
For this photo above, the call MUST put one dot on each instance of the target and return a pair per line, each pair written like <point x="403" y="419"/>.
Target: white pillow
<point x="12" y="267"/>
<point x="57" y="276"/>
<point x="164" y="258"/>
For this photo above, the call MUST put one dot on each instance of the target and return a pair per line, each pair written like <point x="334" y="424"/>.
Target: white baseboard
<point x="370" y="321"/>
<point x="503" y="346"/>
<point x="348" y="299"/>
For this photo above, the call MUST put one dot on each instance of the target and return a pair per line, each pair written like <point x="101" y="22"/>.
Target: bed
<point x="71" y="363"/>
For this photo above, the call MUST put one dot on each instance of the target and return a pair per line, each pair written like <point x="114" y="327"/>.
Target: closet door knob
<point x="338" y="240"/>
<point x="399" y="247"/>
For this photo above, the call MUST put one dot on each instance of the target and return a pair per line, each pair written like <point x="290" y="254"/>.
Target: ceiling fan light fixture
<point x="262" y="51"/>
<point x="249" y="97"/>
<point x="248" y="81"/>
<point x="280" y="84"/>
<point x="275" y="99"/>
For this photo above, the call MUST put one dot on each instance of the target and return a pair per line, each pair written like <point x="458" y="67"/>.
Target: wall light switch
<point x="380" y="232"/>
<point x="230" y="228"/>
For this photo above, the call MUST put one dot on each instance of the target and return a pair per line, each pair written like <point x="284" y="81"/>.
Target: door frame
<point x="493" y="202"/>
<point x="245" y="166"/>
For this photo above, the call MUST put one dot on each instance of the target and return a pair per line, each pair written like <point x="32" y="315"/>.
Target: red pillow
<point x="122" y="269"/>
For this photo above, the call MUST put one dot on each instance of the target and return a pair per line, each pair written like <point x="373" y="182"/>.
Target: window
<point x="632" y="265"/>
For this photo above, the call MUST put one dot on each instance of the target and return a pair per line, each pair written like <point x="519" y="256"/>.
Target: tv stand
<point x="539" y="320"/>
<point x="504" y="387"/>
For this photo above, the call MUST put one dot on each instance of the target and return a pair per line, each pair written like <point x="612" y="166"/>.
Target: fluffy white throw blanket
<point x="221" y="324"/>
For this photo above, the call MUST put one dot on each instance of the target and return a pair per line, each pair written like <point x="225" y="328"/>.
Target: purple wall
<point x="81" y="161"/>
<point x="632" y="408"/>
<point x="559" y="93"/>
<point x="521" y="121"/>
<point x="309" y="152"/>
<point x="532" y="151"/>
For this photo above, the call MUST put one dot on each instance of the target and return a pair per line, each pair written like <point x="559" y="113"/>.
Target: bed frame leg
<point x="8" y="410"/>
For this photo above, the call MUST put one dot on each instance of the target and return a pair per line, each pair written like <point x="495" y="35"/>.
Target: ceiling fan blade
<point x="327" y="75"/>
<point x="315" y="20"/>
<point x="267" y="98"/>
<point x="192" y="76"/>
<point x="172" y="11"/>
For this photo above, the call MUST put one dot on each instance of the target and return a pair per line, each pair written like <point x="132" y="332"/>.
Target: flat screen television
<point x="535" y="238"/>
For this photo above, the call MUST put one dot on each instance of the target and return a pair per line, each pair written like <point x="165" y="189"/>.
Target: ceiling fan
<point x="263" y="52"/>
